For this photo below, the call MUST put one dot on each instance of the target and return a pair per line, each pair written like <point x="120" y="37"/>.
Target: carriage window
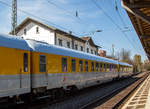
<point x="121" y="68"/>
<point x="116" y="68"/>
<point x="110" y="67"/>
<point x="42" y="63"/>
<point x="86" y="66"/>
<point x="25" y="61"/>
<point x="101" y="66"/>
<point x="80" y="66"/>
<point x="64" y="64"/>
<point x="104" y="67"/>
<point x="97" y="65"/>
<point x="92" y="66"/>
<point x="73" y="65"/>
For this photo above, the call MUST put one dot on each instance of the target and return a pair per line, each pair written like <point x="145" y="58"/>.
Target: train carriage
<point x="63" y="67"/>
<point x="125" y="70"/>
<point x="28" y="66"/>
<point x="14" y="66"/>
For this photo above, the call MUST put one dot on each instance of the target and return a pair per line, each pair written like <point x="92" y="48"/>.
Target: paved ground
<point x="141" y="98"/>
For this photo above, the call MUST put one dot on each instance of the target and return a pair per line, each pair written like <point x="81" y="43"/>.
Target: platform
<point x="141" y="98"/>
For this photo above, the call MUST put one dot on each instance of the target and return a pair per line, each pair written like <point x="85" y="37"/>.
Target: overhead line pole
<point x="14" y="17"/>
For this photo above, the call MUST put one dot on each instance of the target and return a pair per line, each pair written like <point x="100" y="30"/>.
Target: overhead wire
<point x="122" y="20"/>
<point x="56" y="24"/>
<point x="52" y="3"/>
<point x="99" y="7"/>
<point x="35" y="16"/>
<point x="75" y="16"/>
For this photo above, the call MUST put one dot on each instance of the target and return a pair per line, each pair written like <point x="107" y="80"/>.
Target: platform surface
<point x="141" y="98"/>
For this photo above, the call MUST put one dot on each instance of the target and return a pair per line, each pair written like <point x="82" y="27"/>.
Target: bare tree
<point x="125" y="56"/>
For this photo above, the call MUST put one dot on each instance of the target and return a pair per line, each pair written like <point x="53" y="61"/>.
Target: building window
<point x="25" y="61"/>
<point x="37" y="30"/>
<point x="87" y="50"/>
<point x="97" y="66"/>
<point x="76" y="47"/>
<point x="80" y="66"/>
<point x="73" y="65"/>
<point x="60" y="42"/>
<point x="81" y="48"/>
<point x="25" y="31"/>
<point x="68" y="44"/>
<point x="86" y="66"/>
<point x="72" y="44"/>
<point x="42" y="63"/>
<point x="92" y="66"/>
<point x="91" y="51"/>
<point x="64" y="64"/>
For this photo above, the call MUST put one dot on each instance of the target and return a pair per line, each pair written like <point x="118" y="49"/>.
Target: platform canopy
<point x="139" y="13"/>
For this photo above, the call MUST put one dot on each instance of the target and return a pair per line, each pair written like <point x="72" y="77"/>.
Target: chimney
<point x="70" y="32"/>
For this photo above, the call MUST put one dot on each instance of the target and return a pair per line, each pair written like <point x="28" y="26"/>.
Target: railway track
<point x="113" y="99"/>
<point x="106" y="96"/>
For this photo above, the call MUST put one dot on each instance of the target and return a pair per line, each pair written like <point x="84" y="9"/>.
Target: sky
<point x="114" y="23"/>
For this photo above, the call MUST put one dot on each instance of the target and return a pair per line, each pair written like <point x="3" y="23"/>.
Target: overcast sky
<point x="91" y="17"/>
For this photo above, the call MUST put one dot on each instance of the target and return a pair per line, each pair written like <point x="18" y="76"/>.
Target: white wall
<point x="47" y="35"/>
<point x="44" y="34"/>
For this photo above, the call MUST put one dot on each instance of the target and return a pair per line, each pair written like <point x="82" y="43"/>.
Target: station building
<point x="36" y="30"/>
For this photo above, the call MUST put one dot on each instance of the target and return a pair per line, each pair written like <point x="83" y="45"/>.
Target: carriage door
<point x="42" y="69"/>
<point x="24" y="71"/>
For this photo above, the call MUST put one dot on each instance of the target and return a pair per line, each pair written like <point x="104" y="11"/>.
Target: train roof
<point x="13" y="42"/>
<point x="19" y="43"/>
<point x="53" y="49"/>
<point x="124" y="64"/>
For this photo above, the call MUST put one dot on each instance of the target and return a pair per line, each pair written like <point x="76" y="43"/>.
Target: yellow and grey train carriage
<point x="55" y="67"/>
<point x="27" y="65"/>
<point x="14" y="66"/>
<point x="124" y="69"/>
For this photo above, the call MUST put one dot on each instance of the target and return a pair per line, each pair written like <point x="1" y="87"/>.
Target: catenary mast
<point x="14" y="16"/>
